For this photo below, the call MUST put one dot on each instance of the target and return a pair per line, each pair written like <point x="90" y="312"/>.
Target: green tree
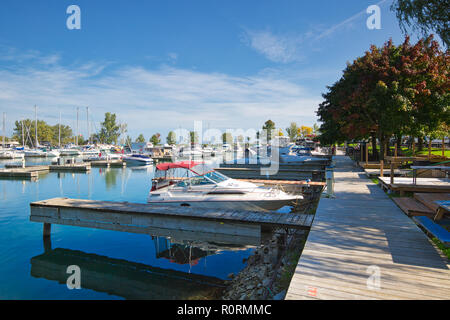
<point x="171" y="138"/>
<point x="45" y="132"/>
<point x="66" y="134"/>
<point x="227" y="137"/>
<point x="292" y="131"/>
<point x="155" y="139"/>
<point x="110" y="130"/>
<point x="194" y="137"/>
<point x="140" y="138"/>
<point x="424" y="15"/>
<point x="269" y="126"/>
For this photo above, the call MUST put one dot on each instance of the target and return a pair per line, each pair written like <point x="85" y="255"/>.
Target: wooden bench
<point x="433" y="228"/>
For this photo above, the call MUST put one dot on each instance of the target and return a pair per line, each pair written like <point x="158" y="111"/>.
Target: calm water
<point x="114" y="265"/>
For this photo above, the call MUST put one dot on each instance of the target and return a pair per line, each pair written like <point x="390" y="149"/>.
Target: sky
<point x="161" y="65"/>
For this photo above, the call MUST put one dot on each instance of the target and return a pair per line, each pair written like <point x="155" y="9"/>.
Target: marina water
<point x="114" y="265"/>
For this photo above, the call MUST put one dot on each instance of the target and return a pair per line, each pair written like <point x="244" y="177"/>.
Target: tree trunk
<point x="399" y="144"/>
<point x="382" y="147"/>
<point x="374" y="147"/>
<point x="420" y="143"/>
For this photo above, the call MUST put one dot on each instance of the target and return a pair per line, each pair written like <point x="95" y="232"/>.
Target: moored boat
<point x="200" y="188"/>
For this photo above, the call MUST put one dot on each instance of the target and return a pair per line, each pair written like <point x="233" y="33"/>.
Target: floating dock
<point x="31" y="172"/>
<point x="108" y="163"/>
<point x="74" y="167"/>
<point x="146" y="218"/>
<point x="362" y="246"/>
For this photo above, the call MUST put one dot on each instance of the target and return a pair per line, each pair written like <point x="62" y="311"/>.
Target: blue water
<point x="119" y="265"/>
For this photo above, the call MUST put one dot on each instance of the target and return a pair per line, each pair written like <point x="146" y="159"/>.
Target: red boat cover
<point x="180" y="164"/>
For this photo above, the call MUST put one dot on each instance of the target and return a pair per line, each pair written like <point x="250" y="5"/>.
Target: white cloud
<point x="154" y="100"/>
<point x="284" y="49"/>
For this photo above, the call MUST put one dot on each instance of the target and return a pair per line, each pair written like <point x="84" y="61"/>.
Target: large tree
<point x="45" y="132"/>
<point x="292" y="131"/>
<point x="171" y="138"/>
<point x="269" y="126"/>
<point x="427" y="16"/>
<point x="140" y="138"/>
<point x="110" y="130"/>
<point x="392" y="90"/>
<point x="155" y="139"/>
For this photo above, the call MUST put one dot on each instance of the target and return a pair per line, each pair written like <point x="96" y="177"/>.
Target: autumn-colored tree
<point x="392" y="90"/>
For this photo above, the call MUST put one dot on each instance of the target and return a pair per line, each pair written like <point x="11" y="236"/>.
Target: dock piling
<point x="47" y="230"/>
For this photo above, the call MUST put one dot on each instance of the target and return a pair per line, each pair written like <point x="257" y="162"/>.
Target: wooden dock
<point x="144" y="218"/>
<point x="74" y="167"/>
<point x="360" y="235"/>
<point x="31" y="172"/>
<point x="108" y="163"/>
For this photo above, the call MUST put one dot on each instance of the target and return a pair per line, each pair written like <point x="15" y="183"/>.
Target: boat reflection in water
<point x="132" y="280"/>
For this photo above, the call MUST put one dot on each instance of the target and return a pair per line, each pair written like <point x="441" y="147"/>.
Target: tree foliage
<point x="425" y="15"/>
<point x="45" y="132"/>
<point x="171" y="138"/>
<point x="269" y="126"/>
<point x="110" y="130"/>
<point x="292" y="131"/>
<point x="140" y="138"/>
<point x="392" y="90"/>
<point x="155" y="139"/>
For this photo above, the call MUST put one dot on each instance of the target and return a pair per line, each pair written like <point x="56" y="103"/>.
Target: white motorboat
<point x="102" y="155"/>
<point x="35" y="153"/>
<point x="53" y="153"/>
<point x="11" y="154"/>
<point x="188" y="152"/>
<point x="137" y="159"/>
<point x="207" y="151"/>
<point x="70" y="152"/>
<point x="200" y="188"/>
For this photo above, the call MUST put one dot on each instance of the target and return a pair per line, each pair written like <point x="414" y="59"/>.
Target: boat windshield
<point x="216" y="176"/>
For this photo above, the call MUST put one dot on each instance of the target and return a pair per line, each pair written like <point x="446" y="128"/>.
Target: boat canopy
<point x="180" y="164"/>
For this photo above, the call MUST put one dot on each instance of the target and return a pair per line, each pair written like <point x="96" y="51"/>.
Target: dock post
<point x="392" y="173"/>
<point x="367" y="154"/>
<point x="47" y="229"/>
<point x="329" y="175"/>
<point x="381" y="168"/>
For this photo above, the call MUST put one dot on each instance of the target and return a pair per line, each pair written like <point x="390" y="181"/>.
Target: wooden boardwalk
<point x="361" y="234"/>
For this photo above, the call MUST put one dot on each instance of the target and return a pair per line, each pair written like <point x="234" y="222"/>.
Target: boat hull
<point x="247" y="205"/>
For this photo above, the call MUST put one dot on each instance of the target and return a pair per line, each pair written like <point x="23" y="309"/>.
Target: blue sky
<point x="161" y="65"/>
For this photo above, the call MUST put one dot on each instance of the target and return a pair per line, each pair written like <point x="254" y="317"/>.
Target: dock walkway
<point x="360" y="235"/>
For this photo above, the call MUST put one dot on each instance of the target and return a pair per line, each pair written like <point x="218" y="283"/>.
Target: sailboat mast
<point x="4" y="129"/>
<point x="88" y="130"/>
<point x="36" y="125"/>
<point x="23" y="136"/>
<point x="76" y="141"/>
<point x="59" y="130"/>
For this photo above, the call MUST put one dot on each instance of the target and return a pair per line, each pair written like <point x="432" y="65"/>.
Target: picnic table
<point x="415" y="168"/>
